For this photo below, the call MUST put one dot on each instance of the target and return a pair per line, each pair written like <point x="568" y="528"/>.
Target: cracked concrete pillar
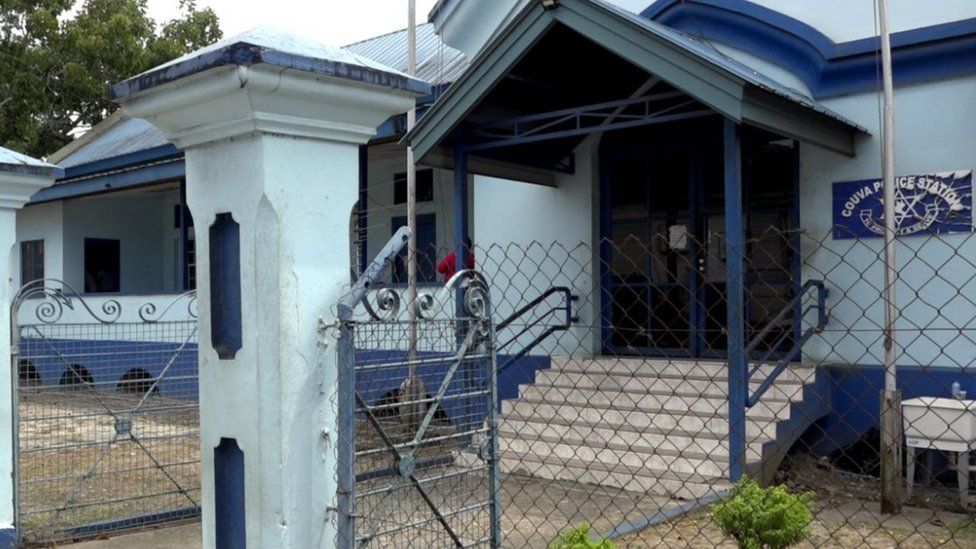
<point x="271" y="125"/>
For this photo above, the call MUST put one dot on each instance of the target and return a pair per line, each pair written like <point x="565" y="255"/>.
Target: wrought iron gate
<point x="418" y="449"/>
<point x="106" y="411"/>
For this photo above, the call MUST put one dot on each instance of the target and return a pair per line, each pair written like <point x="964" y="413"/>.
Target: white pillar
<point x="271" y="129"/>
<point x="20" y="177"/>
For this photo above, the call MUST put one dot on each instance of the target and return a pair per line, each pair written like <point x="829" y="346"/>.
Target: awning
<point x="587" y="52"/>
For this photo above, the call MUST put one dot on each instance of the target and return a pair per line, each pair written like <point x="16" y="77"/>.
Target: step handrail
<point x="795" y="306"/>
<point x="566" y="307"/>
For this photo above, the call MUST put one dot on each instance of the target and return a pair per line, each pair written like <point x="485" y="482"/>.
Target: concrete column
<point x="20" y="177"/>
<point x="271" y="126"/>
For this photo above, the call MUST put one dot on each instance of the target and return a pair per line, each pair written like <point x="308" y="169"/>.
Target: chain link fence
<point x="613" y="385"/>
<point x="107" y="413"/>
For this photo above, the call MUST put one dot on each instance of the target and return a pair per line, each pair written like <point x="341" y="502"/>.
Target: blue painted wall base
<point x="8" y="538"/>
<point x="855" y="399"/>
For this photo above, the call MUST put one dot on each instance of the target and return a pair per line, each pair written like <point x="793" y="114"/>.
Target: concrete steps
<point x="646" y="425"/>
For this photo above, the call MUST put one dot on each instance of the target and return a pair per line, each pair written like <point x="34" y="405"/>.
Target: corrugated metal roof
<point x="724" y="62"/>
<point x="129" y="135"/>
<point x="15" y="162"/>
<point x="437" y="63"/>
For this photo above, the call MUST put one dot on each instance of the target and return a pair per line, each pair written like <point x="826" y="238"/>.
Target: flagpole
<point x="891" y="418"/>
<point x="413" y="390"/>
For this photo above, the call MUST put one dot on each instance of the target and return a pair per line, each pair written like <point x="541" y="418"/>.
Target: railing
<point x="566" y="307"/>
<point x="795" y="306"/>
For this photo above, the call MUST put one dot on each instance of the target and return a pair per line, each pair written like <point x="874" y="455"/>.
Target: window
<point x="425" y="187"/>
<point x="31" y="261"/>
<point x="426" y="250"/>
<point x="102" y="265"/>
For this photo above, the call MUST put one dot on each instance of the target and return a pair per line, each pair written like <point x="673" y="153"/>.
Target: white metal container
<point x="944" y="423"/>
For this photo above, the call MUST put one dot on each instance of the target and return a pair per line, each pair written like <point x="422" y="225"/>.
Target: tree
<point x="56" y="66"/>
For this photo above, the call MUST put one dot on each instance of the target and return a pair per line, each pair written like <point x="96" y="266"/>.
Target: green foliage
<point x="580" y="539"/>
<point x="764" y="518"/>
<point x="56" y="65"/>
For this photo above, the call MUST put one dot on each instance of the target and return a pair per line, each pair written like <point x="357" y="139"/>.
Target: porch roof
<point x="585" y="52"/>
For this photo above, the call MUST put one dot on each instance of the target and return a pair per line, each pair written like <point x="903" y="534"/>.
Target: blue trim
<point x="735" y="274"/>
<point x="827" y="68"/>
<point x="29" y="169"/>
<point x="225" y="286"/>
<point x="229" y="496"/>
<point x="123" y="160"/>
<point x="245" y="54"/>
<point x="138" y="177"/>
<point x="855" y="398"/>
<point x="8" y="538"/>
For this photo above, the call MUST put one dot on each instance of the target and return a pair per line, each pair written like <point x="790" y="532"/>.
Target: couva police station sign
<point x="924" y="204"/>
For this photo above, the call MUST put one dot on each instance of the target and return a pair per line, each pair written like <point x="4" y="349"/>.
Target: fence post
<point x="272" y="151"/>
<point x="346" y="388"/>
<point x="735" y="268"/>
<point x="20" y="177"/>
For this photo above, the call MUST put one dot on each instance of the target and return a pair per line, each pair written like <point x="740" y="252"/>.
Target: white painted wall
<point x="845" y="20"/>
<point x="468" y="25"/>
<point x="934" y="133"/>
<point x="143" y="224"/>
<point x="41" y="222"/>
<point x="532" y="237"/>
<point x="385" y="162"/>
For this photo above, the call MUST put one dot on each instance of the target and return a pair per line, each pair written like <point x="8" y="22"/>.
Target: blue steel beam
<point x="735" y="268"/>
<point x="585" y="120"/>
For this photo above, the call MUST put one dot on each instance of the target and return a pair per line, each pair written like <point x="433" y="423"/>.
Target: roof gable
<point x="726" y="86"/>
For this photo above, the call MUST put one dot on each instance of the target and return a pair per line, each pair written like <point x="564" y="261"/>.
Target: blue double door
<point x="663" y="247"/>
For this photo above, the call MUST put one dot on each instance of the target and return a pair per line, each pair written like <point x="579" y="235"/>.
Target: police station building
<point x="801" y="79"/>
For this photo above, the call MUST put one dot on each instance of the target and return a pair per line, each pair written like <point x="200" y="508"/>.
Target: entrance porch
<point x="676" y="169"/>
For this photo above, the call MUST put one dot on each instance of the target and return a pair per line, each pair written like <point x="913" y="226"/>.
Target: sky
<point x="334" y="22"/>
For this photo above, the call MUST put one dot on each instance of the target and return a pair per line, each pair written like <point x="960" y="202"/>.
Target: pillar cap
<point x="21" y="176"/>
<point x="267" y="80"/>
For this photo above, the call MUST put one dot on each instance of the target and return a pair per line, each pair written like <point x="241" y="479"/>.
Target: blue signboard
<point x="924" y="204"/>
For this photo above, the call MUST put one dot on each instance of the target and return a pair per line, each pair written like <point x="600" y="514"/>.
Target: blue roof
<point x="271" y="46"/>
<point x="15" y="162"/>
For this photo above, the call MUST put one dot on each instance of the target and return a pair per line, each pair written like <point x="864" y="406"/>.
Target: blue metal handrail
<point x="795" y="306"/>
<point x="566" y="307"/>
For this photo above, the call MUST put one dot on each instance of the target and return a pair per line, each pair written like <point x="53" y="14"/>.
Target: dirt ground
<point x="86" y="458"/>
<point x="78" y="468"/>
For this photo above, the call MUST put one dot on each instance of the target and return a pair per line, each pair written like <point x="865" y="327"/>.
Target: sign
<point x="924" y="204"/>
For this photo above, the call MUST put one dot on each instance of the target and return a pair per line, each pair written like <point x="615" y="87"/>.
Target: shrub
<point x="764" y="518"/>
<point x="580" y="539"/>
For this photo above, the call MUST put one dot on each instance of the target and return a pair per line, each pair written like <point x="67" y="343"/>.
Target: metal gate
<point x="106" y="411"/>
<point x="418" y="449"/>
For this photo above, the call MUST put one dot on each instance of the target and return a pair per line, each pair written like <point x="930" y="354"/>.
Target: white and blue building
<point x="590" y="123"/>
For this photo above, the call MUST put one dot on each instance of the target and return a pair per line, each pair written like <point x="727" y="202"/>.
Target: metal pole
<point x="412" y="182"/>
<point x="413" y="391"/>
<point x="891" y="422"/>
<point x="735" y="269"/>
